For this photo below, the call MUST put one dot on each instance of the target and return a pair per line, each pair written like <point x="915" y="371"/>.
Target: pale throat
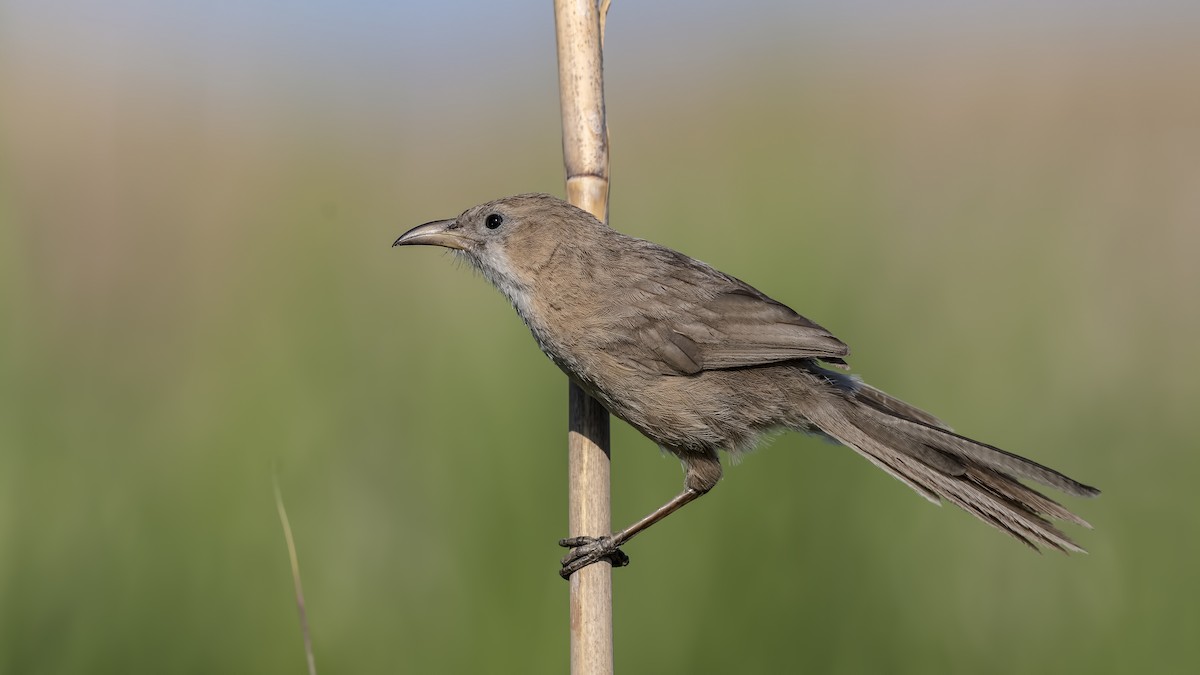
<point x="497" y="268"/>
<point x="495" y="265"/>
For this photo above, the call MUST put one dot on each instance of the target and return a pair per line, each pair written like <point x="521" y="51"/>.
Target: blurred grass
<point x="190" y="295"/>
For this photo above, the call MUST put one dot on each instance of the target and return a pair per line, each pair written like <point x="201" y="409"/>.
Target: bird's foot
<point x="588" y="550"/>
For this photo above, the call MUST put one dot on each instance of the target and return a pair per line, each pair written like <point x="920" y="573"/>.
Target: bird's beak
<point x="437" y="233"/>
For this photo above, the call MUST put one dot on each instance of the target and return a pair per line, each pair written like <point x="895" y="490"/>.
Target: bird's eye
<point x="494" y="220"/>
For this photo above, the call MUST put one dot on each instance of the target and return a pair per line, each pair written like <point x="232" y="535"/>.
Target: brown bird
<point x="699" y="361"/>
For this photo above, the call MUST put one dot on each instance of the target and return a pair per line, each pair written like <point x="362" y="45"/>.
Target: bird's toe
<point x="588" y="550"/>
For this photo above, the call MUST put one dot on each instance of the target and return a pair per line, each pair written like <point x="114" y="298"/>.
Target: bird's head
<point x="510" y="240"/>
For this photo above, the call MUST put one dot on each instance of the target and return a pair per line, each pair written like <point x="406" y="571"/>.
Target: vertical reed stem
<point x="580" y="28"/>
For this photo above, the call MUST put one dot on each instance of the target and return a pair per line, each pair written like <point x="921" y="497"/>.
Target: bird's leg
<point x="588" y="550"/>
<point x="703" y="472"/>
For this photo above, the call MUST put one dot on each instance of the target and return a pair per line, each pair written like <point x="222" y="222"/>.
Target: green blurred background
<point x="996" y="204"/>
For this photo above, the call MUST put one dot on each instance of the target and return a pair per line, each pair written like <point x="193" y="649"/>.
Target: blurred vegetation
<point x="194" y="293"/>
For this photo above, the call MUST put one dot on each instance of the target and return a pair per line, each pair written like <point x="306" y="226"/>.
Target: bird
<point x="700" y="362"/>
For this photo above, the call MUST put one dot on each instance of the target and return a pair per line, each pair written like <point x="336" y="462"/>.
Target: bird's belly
<point x="700" y="412"/>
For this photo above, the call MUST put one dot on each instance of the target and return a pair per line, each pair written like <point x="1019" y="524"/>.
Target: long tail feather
<point x="919" y="450"/>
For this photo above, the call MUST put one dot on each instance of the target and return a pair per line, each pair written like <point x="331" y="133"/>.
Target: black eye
<point x="494" y="220"/>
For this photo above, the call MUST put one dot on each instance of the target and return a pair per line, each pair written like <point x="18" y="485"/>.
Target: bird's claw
<point x="588" y="550"/>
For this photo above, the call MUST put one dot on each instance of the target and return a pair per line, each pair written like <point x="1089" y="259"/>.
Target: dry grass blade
<point x="291" y="546"/>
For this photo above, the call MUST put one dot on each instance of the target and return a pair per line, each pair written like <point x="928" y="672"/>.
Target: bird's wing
<point x="737" y="327"/>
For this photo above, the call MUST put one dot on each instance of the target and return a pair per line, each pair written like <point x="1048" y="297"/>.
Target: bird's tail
<point x="925" y="454"/>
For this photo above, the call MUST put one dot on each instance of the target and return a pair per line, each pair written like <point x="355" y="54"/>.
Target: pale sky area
<point x="333" y="48"/>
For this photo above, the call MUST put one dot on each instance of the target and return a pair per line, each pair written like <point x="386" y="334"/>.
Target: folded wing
<point x="736" y="328"/>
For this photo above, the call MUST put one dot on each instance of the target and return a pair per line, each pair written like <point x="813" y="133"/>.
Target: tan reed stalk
<point x="579" y="27"/>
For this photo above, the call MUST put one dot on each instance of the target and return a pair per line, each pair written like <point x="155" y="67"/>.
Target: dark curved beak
<point x="436" y="233"/>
